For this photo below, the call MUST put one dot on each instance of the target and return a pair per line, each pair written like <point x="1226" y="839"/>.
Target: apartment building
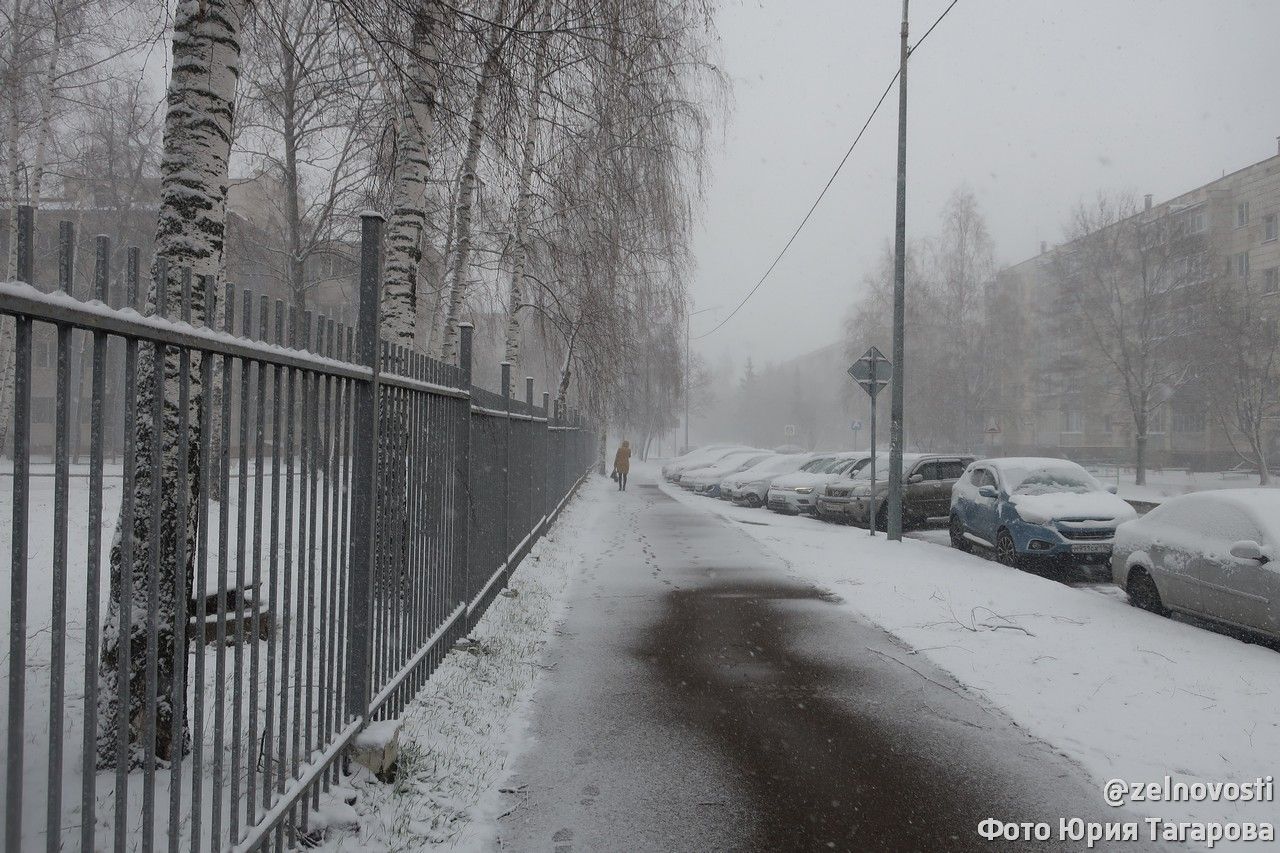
<point x="1057" y="394"/>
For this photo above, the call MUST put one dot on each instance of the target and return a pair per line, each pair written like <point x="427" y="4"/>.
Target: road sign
<point x="871" y="371"/>
<point x="789" y="430"/>
<point x="856" y="426"/>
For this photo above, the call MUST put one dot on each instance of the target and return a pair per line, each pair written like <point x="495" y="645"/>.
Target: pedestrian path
<point x="701" y="698"/>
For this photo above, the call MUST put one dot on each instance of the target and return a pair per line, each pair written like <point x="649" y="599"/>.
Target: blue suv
<point x="1030" y="508"/>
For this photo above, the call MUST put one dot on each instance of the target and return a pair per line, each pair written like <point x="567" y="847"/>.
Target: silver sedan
<point x="1210" y="554"/>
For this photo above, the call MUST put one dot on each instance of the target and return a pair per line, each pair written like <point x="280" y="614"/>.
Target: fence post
<point x="462" y="500"/>
<point x="364" y="518"/>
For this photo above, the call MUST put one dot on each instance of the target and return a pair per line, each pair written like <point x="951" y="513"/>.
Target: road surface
<point x="699" y="698"/>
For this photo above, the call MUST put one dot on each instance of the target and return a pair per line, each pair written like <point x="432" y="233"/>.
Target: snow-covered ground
<point x="39" y="652"/>
<point x="1125" y="693"/>
<point x="461" y="732"/>
<point x="1167" y="483"/>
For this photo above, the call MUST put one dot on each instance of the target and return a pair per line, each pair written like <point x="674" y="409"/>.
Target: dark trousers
<point x="622" y="481"/>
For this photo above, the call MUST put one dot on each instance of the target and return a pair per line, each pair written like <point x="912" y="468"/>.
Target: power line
<point x="827" y="185"/>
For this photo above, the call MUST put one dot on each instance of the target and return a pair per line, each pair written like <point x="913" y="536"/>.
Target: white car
<point x="1213" y="554"/>
<point x="686" y="478"/>
<point x="751" y="486"/>
<point x="699" y="458"/>
<point x="796" y="493"/>
<point x="706" y="481"/>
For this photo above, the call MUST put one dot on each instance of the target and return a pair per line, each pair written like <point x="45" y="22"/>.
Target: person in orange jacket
<point x="622" y="465"/>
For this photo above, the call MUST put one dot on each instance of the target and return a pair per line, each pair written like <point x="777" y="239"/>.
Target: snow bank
<point x="1125" y="693"/>
<point x="459" y="734"/>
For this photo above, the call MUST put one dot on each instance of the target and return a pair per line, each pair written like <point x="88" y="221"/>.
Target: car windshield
<point x="843" y="466"/>
<point x="817" y="465"/>
<point x="1053" y="480"/>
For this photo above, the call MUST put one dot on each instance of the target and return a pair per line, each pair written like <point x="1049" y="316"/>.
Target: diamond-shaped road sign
<point x="871" y="371"/>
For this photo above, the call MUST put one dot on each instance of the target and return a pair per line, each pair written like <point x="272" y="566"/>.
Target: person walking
<point x="622" y="465"/>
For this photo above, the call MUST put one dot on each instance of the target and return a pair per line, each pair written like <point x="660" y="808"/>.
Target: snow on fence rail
<point x="331" y="512"/>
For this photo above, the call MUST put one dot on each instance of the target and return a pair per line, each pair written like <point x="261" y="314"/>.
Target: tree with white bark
<point x="200" y="107"/>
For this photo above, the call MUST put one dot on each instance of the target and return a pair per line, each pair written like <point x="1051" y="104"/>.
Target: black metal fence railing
<point x="302" y="521"/>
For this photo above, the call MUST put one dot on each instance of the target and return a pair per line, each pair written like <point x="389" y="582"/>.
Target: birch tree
<point x="190" y="234"/>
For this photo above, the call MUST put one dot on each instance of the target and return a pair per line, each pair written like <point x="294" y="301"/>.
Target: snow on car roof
<point x="1263" y="504"/>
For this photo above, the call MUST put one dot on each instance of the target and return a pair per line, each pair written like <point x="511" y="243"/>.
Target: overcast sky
<point x="1034" y="105"/>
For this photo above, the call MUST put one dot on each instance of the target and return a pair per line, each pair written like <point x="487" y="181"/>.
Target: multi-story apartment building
<point x="1056" y="392"/>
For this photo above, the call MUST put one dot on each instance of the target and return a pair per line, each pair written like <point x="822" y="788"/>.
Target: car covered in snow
<point x="1031" y="508"/>
<point x="699" y="458"/>
<point x="706" y="481"/>
<point x="926" y="493"/>
<point x="1212" y="554"/>
<point x="751" y="486"/>
<point x="795" y="493"/>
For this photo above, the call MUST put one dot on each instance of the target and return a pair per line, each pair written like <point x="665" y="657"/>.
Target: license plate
<point x="1091" y="548"/>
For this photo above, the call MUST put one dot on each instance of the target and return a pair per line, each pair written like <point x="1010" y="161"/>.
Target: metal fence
<point x="350" y="507"/>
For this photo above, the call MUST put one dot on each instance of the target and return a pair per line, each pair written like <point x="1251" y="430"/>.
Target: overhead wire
<point x="830" y="181"/>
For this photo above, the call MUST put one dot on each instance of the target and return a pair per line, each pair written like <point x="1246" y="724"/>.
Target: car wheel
<point x="957" y="535"/>
<point x="1006" y="551"/>
<point x="1143" y="592"/>
<point x="754" y="502"/>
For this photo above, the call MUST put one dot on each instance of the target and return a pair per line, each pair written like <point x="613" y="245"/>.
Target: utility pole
<point x="899" y="298"/>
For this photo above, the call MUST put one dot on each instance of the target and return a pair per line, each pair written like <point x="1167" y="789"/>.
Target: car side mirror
<point x="1113" y="489"/>
<point x="1247" y="549"/>
<point x="916" y="478"/>
<point x="987" y="492"/>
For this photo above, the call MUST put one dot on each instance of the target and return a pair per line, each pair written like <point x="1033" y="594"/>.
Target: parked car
<point x="706" y="481"/>
<point x="925" y="495"/>
<point x="685" y="479"/>
<point x="1213" y="554"/>
<point x="791" y="494"/>
<point x="699" y="458"/>
<point x="750" y="487"/>
<point x="1032" y="508"/>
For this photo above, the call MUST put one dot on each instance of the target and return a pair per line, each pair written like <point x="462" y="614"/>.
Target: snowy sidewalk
<point x="700" y="697"/>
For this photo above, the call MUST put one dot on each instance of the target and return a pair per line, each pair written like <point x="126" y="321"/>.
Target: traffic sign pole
<point x="871" y="372"/>
<point x="871" y="514"/>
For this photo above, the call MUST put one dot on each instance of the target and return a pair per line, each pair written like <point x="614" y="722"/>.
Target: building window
<point x="1242" y="214"/>
<point x="1073" y="421"/>
<point x="1271" y="280"/>
<point x="1242" y="265"/>
<point x="1271" y="226"/>
<point x="1155" y="422"/>
<point x="1198" y="221"/>
<point x="1188" y="421"/>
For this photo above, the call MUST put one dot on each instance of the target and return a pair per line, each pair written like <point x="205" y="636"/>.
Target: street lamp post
<point x="899" y="298"/>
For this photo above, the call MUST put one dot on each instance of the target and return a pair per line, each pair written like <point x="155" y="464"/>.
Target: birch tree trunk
<point x="407" y="226"/>
<point x="524" y="204"/>
<point x="13" y="183"/>
<point x="458" y="281"/>
<point x="189" y="234"/>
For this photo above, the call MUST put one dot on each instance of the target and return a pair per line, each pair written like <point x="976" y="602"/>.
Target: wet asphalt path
<point x="700" y="698"/>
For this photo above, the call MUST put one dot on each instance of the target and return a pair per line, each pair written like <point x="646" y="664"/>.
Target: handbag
<point x="614" y="475"/>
